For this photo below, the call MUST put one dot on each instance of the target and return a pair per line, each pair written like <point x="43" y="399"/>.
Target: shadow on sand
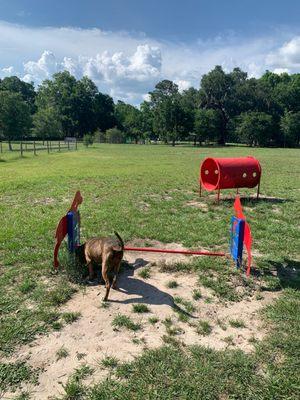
<point x="144" y="292"/>
<point x="287" y="271"/>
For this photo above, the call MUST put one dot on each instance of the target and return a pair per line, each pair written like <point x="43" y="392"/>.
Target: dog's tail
<point x="120" y="239"/>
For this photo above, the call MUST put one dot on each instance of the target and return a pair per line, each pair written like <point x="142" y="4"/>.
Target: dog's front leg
<point x="105" y="261"/>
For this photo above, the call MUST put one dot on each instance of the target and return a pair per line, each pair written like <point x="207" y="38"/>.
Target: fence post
<point x="1" y="150"/>
<point x="48" y="147"/>
<point x="68" y="145"/>
<point x="75" y="144"/>
<point x="59" y="146"/>
<point x="26" y="146"/>
<point x="21" y="148"/>
<point x="34" y="149"/>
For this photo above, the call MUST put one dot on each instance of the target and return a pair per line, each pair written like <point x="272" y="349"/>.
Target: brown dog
<point x="105" y="251"/>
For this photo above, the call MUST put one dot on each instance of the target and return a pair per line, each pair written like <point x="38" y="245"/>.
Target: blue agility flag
<point x="237" y="230"/>
<point x="73" y="223"/>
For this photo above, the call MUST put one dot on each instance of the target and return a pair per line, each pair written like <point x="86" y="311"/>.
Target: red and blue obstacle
<point x="240" y="235"/>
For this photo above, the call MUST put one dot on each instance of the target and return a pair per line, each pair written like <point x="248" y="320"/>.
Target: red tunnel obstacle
<point x="230" y="173"/>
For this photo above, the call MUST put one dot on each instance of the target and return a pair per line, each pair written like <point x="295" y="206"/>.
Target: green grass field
<point x="142" y="192"/>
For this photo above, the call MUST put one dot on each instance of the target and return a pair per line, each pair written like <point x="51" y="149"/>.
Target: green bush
<point x="88" y="140"/>
<point x="114" y="135"/>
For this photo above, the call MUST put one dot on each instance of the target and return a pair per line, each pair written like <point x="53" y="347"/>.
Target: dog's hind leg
<point x="91" y="271"/>
<point x="116" y="269"/>
<point x="114" y="282"/>
<point x="90" y="266"/>
<point x="105" y="261"/>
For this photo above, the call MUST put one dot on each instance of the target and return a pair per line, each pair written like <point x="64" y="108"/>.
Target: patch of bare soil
<point x="257" y="254"/>
<point x="143" y="206"/>
<point x="276" y="210"/>
<point x="46" y="201"/>
<point x="160" y="197"/>
<point x="93" y="337"/>
<point x="197" y="204"/>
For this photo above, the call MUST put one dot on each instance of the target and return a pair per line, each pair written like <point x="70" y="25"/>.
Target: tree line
<point x="227" y="108"/>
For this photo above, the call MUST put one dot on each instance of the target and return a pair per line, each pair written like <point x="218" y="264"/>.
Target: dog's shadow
<point x="144" y="291"/>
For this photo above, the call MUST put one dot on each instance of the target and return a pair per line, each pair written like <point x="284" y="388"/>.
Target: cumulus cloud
<point x="183" y="84"/>
<point x="7" y="71"/>
<point x="70" y="65"/>
<point x="124" y="77"/>
<point x="280" y="71"/>
<point x="42" y="69"/>
<point x="287" y="56"/>
<point x="127" y="66"/>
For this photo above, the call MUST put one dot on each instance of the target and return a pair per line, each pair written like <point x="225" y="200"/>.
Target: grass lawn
<point x="142" y="192"/>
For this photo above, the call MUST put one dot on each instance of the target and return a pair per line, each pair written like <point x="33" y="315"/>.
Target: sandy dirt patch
<point x="93" y="337"/>
<point x="197" y="204"/>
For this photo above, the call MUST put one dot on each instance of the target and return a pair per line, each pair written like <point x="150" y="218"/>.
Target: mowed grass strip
<point x="115" y="180"/>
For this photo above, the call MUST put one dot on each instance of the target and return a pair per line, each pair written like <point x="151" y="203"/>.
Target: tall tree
<point x="255" y="128"/>
<point x="287" y="93"/>
<point x="81" y="107"/>
<point x="16" y="85"/>
<point x="147" y="121"/>
<point x="84" y="103"/>
<point x="190" y="102"/>
<point x="129" y="118"/>
<point x="219" y="92"/>
<point x="47" y="124"/>
<point x="168" y="113"/>
<point x="15" y="118"/>
<point x="207" y="124"/>
<point x="104" y="110"/>
<point x="214" y="92"/>
<point x="290" y="126"/>
<point x="61" y="93"/>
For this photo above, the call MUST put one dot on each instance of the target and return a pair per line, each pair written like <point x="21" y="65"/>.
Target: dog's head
<point x="79" y="254"/>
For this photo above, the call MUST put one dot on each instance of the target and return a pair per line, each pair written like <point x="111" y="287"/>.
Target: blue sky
<point x="127" y="46"/>
<point x="163" y="19"/>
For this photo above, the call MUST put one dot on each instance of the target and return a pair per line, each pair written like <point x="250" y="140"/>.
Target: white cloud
<point x="183" y="84"/>
<point x="280" y="71"/>
<point x="124" y="77"/>
<point x="287" y="56"/>
<point x="127" y="66"/>
<point x="7" y="71"/>
<point x="68" y="64"/>
<point x="143" y="66"/>
<point x="42" y="69"/>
